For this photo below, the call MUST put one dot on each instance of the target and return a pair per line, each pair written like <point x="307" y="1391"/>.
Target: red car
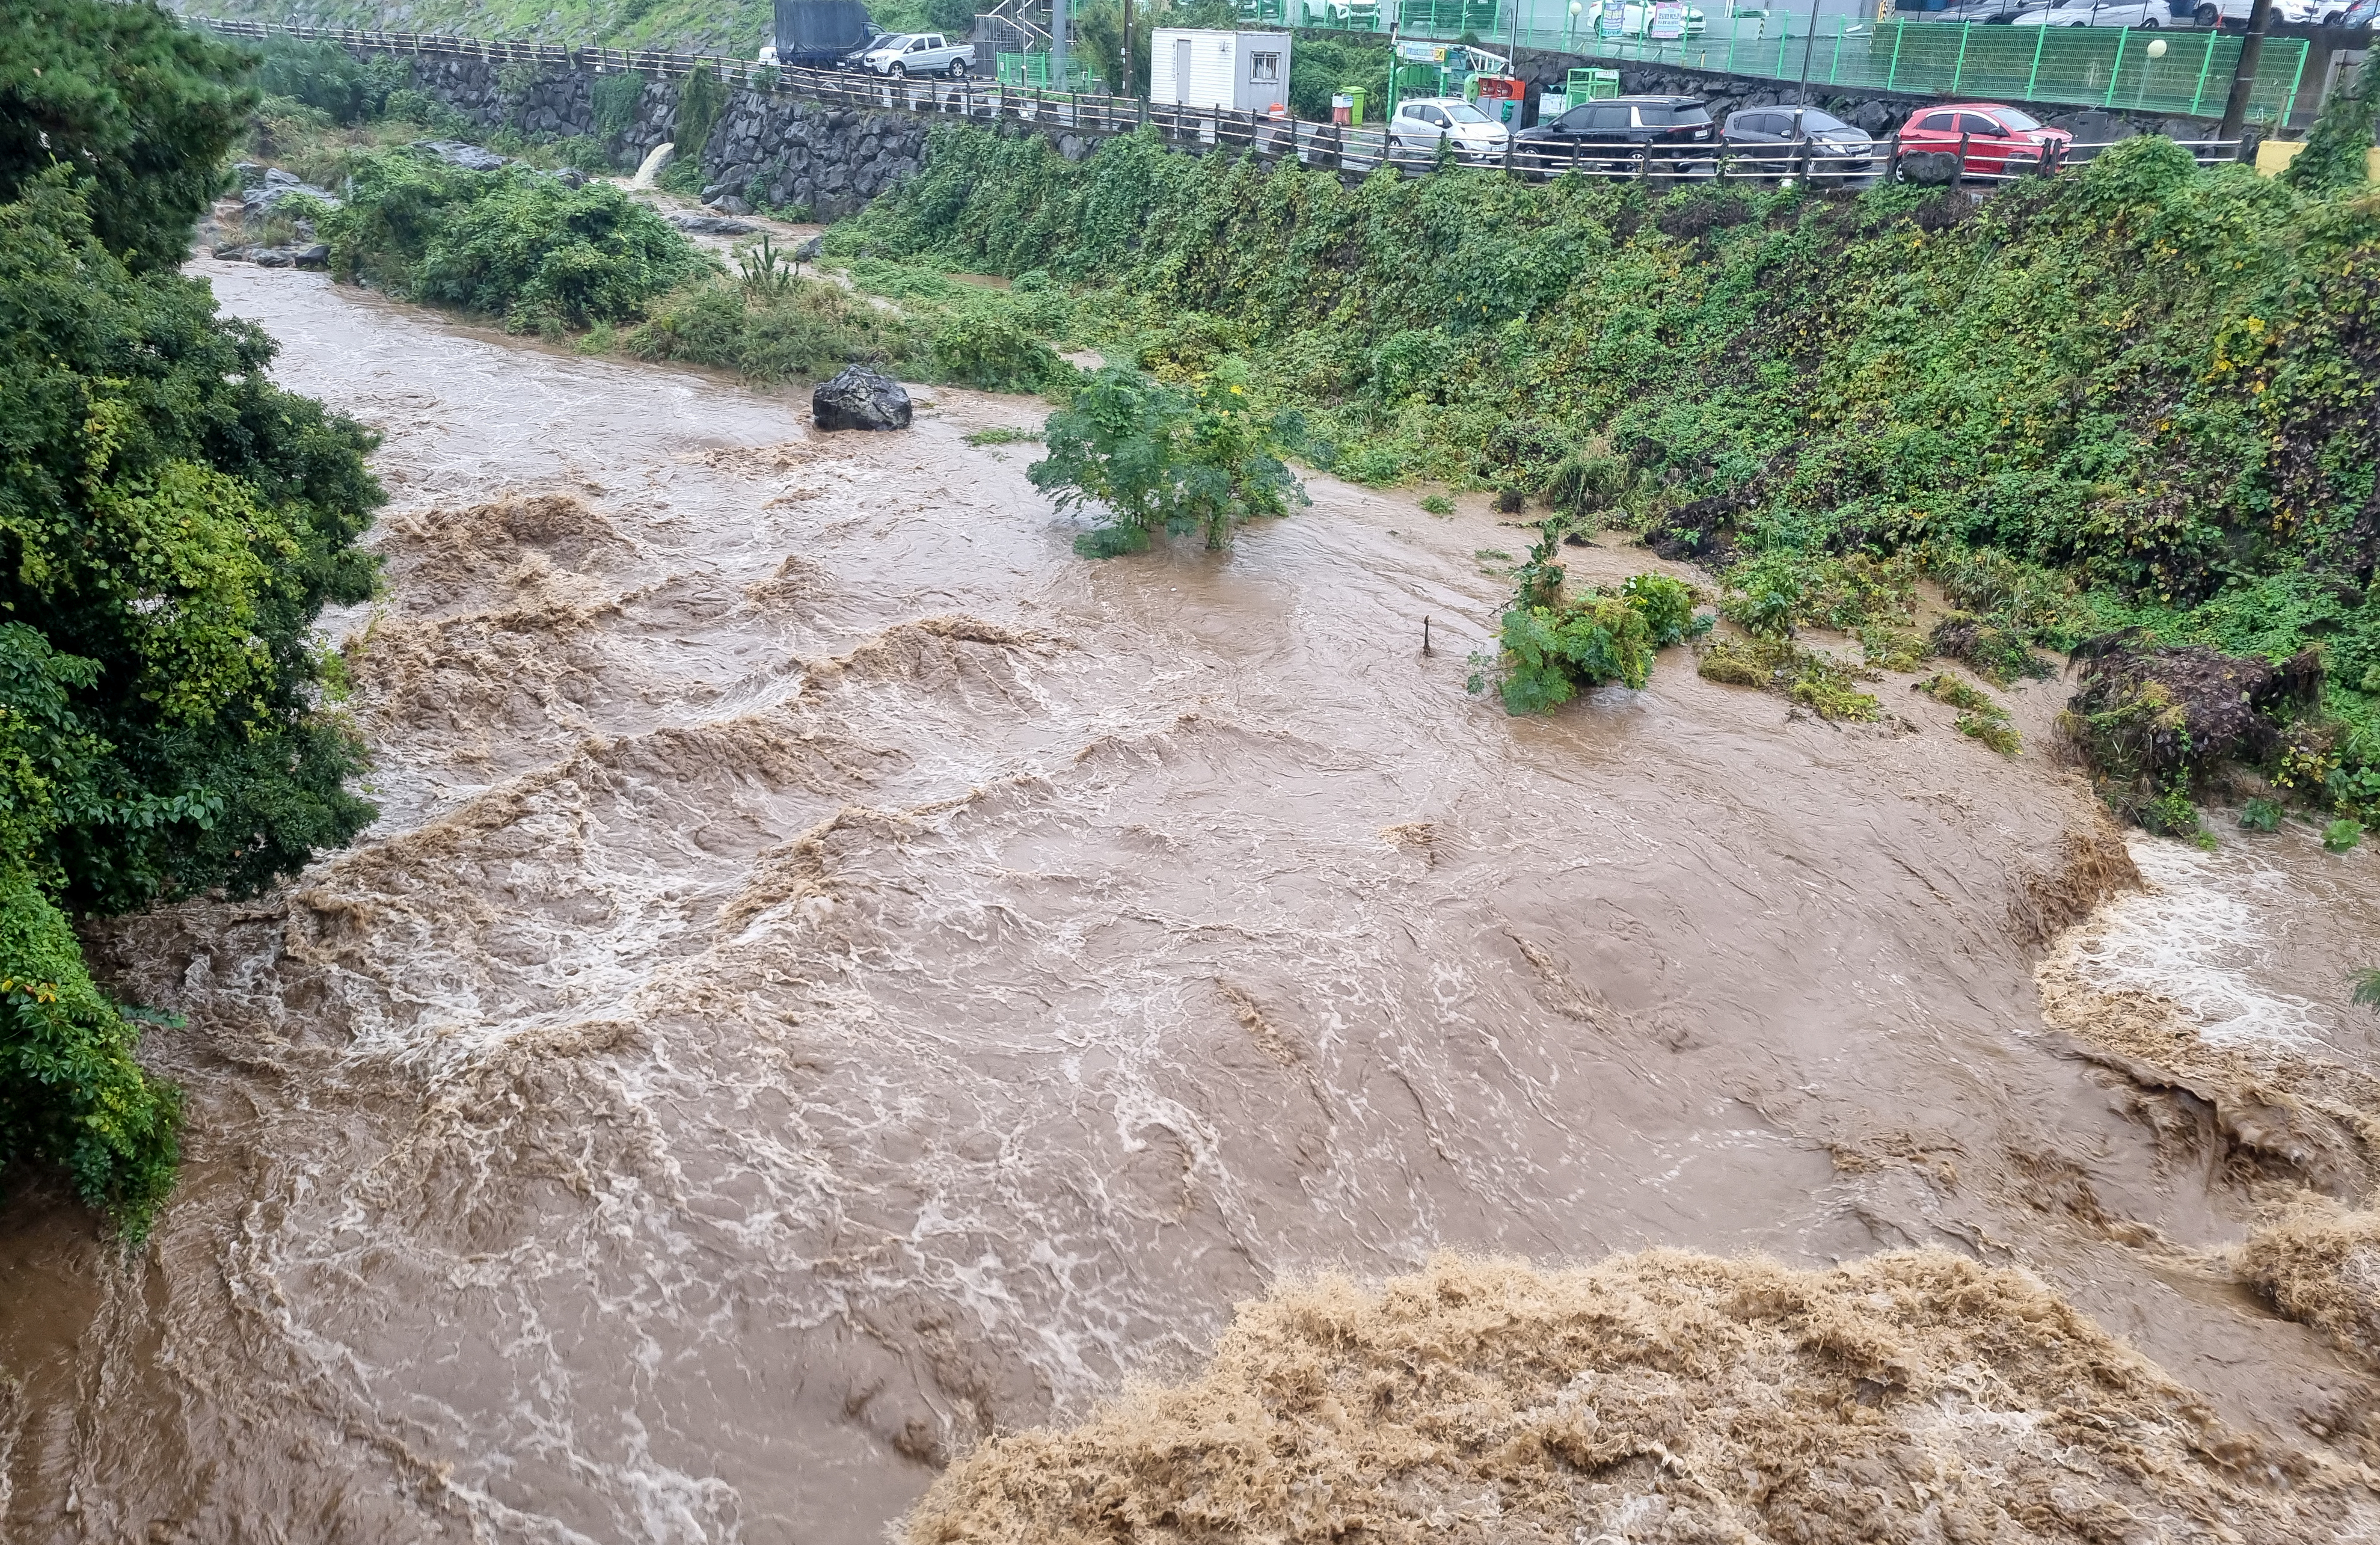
<point x="2000" y="139"/>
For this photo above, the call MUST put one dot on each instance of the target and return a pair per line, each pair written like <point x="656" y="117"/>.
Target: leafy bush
<point x="1666" y="605"/>
<point x="1202" y="459"/>
<point x="1438" y="504"/>
<point x="2173" y="814"/>
<point x="987" y="350"/>
<point x="2342" y="835"/>
<point x="513" y="243"/>
<point x="174" y="524"/>
<point x="71" y="1093"/>
<point x="1552" y="654"/>
<point x="1551" y="648"/>
<point x="141" y="105"/>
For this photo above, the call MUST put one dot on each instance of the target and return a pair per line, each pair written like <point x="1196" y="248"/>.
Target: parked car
<point x="1635" y="18"/>
<point x="767" y="54"/>
<point x="2145" y="14"/>
<point x="1777" y="135"/>
<point x="2233" y="14"/>
<point x="855" y="58"/>
<point x="2000" y="139"/>
<point x="1612" y="135"/>
<point x="1991" y="13"/>
<point x="906" y="54"/>
<point x="1420" y="124"/>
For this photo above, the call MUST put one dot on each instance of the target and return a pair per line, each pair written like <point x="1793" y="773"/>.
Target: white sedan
<point x="1420" y="124"/>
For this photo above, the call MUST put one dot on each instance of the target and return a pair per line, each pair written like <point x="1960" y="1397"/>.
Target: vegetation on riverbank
<point x="2134" y="397"/>
<point x="173" y="523"/>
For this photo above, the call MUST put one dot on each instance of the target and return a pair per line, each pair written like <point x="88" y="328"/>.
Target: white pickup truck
<point x="918" y="54"/>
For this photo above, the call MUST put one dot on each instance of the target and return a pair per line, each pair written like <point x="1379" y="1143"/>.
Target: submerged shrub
<point x="2261" y="815"/>
<point x="2342" y="835"/>
<point x="1198" y="459"/>
<point x="1552" y="648"/>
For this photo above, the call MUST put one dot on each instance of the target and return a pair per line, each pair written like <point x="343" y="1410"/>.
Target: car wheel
<point x="958" y="70"/>
<point x="2147" y="25"/>
<point x="899" y="72"/>
<point x="2206" y="16"/>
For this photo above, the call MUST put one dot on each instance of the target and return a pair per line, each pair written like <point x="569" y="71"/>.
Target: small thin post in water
<point x="1425" y="637"/>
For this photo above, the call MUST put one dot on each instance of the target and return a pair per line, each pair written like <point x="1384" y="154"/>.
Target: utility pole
<point x="2243" y="79"/>
<point x="1058" y="43"/>
<point x="1127" y="49"/>
<point x="1802" y="94"/>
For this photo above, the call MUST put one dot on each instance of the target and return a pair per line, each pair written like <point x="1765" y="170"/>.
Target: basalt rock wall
<point x="763" y="150"/>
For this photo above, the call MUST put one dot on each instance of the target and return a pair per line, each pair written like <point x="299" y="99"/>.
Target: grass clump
<point x="2260" y="815"/>
<point x="1438" y="504"/>
<point x="1809" y="679"/>
<point x="1002" y="434"/>
<point x="801" y="329"/>
<point x="1981" y="717"/>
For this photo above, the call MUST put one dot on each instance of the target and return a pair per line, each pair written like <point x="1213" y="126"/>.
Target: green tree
<point x="125" y="95"/>
<point x="171" y="525"/>
<point x="1201" y="459"/>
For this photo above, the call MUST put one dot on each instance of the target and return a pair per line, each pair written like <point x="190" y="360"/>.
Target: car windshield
<point x="2021" y="122"/>
<point x="1656" y="115"/>
<point x="1463" y="112"/>
<point x="901" y="41"/>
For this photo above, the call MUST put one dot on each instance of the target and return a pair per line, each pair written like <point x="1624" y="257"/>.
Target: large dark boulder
<point x="860" y="398"/>
<point x="1929" y="168"/>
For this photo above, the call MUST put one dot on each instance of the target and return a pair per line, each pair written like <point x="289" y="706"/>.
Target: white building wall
<point x="1220" y="65"/>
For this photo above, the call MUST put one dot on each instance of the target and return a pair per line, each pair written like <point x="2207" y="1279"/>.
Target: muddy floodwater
<point x="837" y="974"/>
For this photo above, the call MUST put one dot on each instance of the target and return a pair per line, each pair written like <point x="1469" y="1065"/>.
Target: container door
<point x="1181" y="70"/>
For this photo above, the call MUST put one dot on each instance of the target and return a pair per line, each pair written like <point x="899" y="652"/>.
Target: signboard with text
<point x="1669" y="20"/>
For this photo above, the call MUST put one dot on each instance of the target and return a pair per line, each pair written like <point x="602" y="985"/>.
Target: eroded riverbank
<point x="838" y="973"/>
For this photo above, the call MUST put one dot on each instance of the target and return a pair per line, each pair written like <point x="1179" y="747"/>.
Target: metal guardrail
<point x="1350" y="150"/>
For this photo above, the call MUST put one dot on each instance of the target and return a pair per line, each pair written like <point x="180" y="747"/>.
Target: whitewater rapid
<point x="837" y="975"/>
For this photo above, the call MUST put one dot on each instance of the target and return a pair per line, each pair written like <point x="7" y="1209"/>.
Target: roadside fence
<point x="1353" y="150"/>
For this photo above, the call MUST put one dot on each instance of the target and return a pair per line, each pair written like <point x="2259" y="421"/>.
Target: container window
<point x="1264" y="67"/>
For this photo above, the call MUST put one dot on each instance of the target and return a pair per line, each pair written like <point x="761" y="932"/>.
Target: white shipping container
<point x="1194" y="67"/>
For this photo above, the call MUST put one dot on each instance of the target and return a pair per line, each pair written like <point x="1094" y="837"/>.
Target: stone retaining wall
<point x="763" y="150"/>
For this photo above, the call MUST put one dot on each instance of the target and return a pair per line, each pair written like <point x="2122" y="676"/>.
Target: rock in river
<point x="861" y="398"/>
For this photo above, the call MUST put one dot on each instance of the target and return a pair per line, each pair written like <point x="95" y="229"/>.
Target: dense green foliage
<point x="118" y="90"/>
<point x="323" y="76"/>
<point x="514" y="243"/>
<point x="2336" y="154"/>
<point x="1151" y="457"/>
<point x="172" y="524"/>
<point x="2137" y="396"/>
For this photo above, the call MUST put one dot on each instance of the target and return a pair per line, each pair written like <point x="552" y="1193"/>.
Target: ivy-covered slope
<point x="2139" y="394"/>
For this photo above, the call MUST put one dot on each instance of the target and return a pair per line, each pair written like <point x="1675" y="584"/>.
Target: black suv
<point x="1619" y="134"/>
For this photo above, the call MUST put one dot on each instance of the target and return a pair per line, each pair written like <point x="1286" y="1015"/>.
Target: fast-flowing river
<point x="837" y="973"/>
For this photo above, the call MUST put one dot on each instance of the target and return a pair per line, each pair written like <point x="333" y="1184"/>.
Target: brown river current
<point x="837" y="974"/>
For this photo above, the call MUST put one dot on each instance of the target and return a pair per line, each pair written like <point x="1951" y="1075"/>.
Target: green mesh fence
<point x="2143" y="70"/>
